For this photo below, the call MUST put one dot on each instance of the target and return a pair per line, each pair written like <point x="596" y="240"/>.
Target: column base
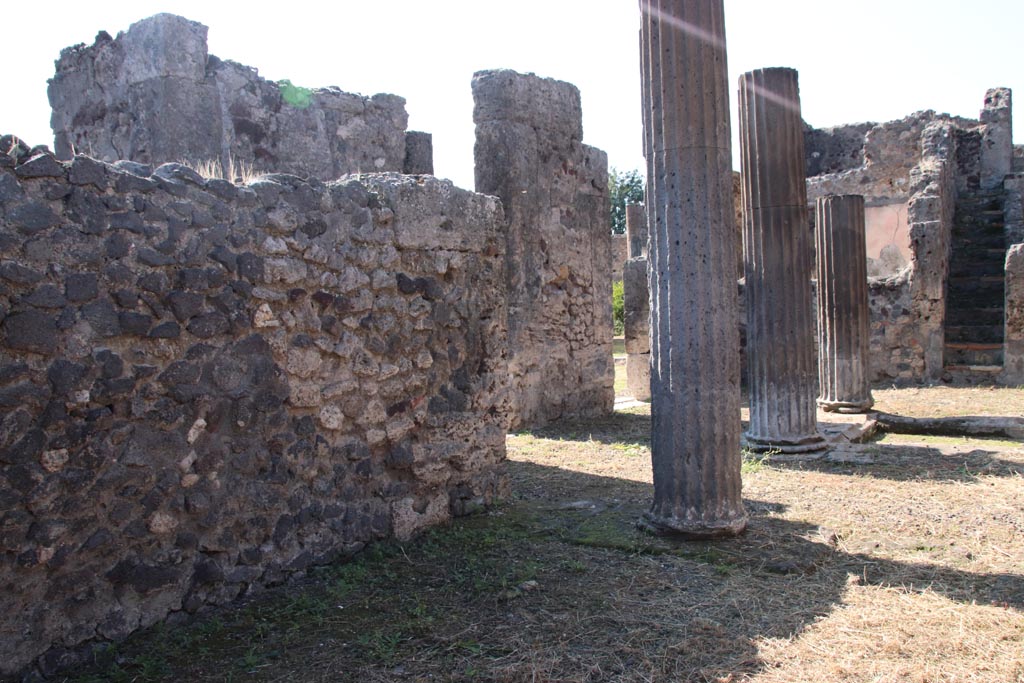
<point x="809" y="444"/>
<point x="690" y="530"/>
<point x="846" y="407"/>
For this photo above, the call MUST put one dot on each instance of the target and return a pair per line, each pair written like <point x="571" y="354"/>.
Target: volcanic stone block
<point x="777" y="262"/>
<point x="844" y="318"/>
<point x="695" y="384"/>
<point x="554" y="190"/>
<point x="419" y="153"/>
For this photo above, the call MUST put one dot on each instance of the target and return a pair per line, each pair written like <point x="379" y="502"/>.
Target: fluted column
<point x="777" y="261"/>
<point x="844" y="319"/>
<point x="694" y="309"/>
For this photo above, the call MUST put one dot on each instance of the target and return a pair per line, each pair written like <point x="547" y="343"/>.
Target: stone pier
<point x="777" y="262"/>
<point x="844" y="317"/>
<point x="636" y="230"/>
<point x="695" y="361"/>
<point x="637" y="305"/>
<point x="1013" y="360"/>
<point x="529" y="153"/>
<point x="419" y="153"/>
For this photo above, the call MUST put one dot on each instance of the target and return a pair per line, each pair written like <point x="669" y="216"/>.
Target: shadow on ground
<point x="558" y="584"/>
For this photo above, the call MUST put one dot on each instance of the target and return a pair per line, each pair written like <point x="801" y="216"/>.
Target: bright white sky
<point x="859" y="60"/>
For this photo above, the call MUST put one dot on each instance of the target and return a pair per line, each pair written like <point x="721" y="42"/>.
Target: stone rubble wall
<point x="996" y="138"/>
<point x="1013" y="349"/>
<point x="836" y="149"/>
<point x="207" y="388"/>
<point x="153" y="94"/>
<point x="554" y="189"/>
<point x="1018" y="158"/>
<point x="909" y="310"/>
<point x="890" y="151"/>
<point x="1013" y="361"/>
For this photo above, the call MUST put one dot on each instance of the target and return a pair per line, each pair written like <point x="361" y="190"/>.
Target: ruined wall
<point x="1013" y="359"/>
<point x="880" y="170"/>
<point x="996" y="138"/>
<point x="908" y="310"/>
<point x="555" y="194"/>
<point x="207" y="388"/>
<point x="836" y="149"/>
<point x="154" y="95"/>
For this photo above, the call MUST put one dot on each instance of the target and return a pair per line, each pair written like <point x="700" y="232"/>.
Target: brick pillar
<point x="695" y="386"/>
<point x="844" y="318"/>
<point x="777" y="262"/>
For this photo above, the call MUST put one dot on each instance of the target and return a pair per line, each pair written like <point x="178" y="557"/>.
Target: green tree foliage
<point x="618" y="309"/>
<point x="623" y="187"/>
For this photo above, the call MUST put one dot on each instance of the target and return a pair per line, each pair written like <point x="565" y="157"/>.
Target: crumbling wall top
<point x="505" y="95"/>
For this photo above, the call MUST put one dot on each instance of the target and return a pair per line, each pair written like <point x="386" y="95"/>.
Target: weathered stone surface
<point x="996" y="138"/>
<point x="695" y="384"/>
<point x="636" y="230"/>
<point x="637" y="312"/>
<point x="419" y="153"/>
<point x="1013" y="359"/>
<point x="194" y="449"/>
<point x="844" y="318"/>
<point x="555" y="194"/>
<point x="777" y="257"/>
<point x="187" y="104"/>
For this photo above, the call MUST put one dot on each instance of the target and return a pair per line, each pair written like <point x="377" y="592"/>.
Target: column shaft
<point x="844" y="319"/>
<point x="777" y="262"/>
<point x="694" y="309"/>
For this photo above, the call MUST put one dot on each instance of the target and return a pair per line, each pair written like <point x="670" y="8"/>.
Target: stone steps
<point x="968" y="353"/>
<point x="979" y="334"/>
<point x="976" y="284"/>
<point x="974" y="316"/>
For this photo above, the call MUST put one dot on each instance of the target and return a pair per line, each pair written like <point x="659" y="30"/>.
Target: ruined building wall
<point x="879" y="168"/>
<point x="208" y="387"/>
<point x="908" y="309"/>
<point x="153" y="94"/>
<point x="554" y="189"/>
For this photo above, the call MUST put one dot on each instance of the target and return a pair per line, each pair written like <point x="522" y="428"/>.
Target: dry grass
<point x="893" y="562"/>
<point x="948" y="401"/>
<point x="239" y="172"/>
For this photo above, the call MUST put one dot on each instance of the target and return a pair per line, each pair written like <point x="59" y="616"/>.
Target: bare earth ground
<point x="902" y="560"/>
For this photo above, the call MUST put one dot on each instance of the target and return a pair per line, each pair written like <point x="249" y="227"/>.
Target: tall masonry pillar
<point x="777" y="262"/>
<point x="844" y="318"/>
<point x="637" y="306"/>
<point x="695" y="363"/>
